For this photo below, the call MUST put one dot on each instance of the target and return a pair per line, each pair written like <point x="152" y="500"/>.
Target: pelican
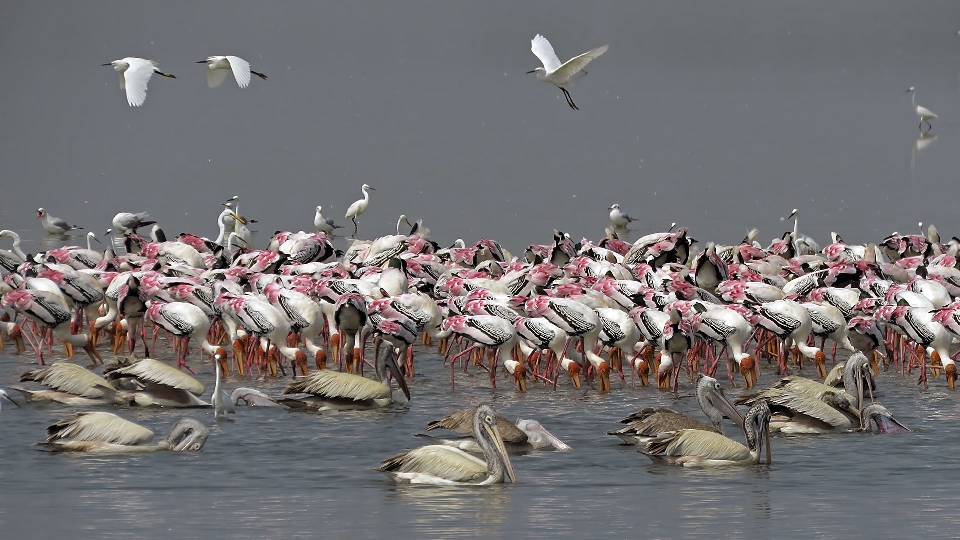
<point x="3" y="395"/>
<point x="538" y="438"/>
<point x="648" y="423"/>
<point x="358" y="207"/>
<point x="107" y="433"/>
<point x="879" y="415"/>
<point x="70" y="384"/>
<point x="695" y="448"/>
<point x="461" y="421"/>
<point x="162" y="385"/>
<point x="438" y="464"/>
<point x="334" y="390"/>
<point x="252" y="397"/>
<point x="810" y="407"/>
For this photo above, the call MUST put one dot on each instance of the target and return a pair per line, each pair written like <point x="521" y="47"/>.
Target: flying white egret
<point x="358" y="208"/>
<point x="923" y="113"/>
<point x="135" y="73"/>
<point x="219" y="66"/>
<point x="556" y="73"/>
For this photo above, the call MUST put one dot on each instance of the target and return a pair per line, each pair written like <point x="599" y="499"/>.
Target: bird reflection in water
<point x="461" y="510"/>
<point x="922" y="142"/>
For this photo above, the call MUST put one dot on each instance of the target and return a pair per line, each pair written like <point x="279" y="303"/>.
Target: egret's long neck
<point x="229" y="239"/>
<point x="913" y="99"/>
<point x="366" y="196"/>
<point x="89" y="246"/>
<point x="223" y="227"/>
<point x="16" y="246"/>
<point x="216" y="387"/>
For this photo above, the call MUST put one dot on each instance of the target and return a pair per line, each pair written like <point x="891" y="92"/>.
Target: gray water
<point x="721" y="116"/>
<point x="282" y="474"/>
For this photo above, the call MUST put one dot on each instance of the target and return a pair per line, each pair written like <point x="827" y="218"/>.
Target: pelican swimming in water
<point x="650" y="422"/>
<point x="107" y="433"/>
<point x="70" y="384"/>
<point x="803" y="406"/>
<point x="443" y="465"/>
<point x="461" y="421"/>
<point x="252" y="397"/>
<point x="697" y="448"/>
<point x="160" y="385"/>
<point x="537" y="438"/>
<point x="876" y="413"/>
<point x="335" y="390"/>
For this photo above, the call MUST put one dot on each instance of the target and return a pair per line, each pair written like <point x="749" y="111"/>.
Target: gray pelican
<point x="462" y="422"/>
<point x="538" y="438"/>
<point x="71" y="384"/>
<point x="696" y="448"/>
<point x="809" y="407"/>
<point x="439" y="464"/>
<point x="650" y="422"/>
<point x="4" y="395"/>
<point x="879" y="415"/>
<point x="107" y="433"/>
<point x="161" y="385"/>
<point x="334" y="390"/>
<point x="252" y="397"/>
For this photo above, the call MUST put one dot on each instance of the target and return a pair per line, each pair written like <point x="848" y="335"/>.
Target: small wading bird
<point x="219" y="66"/>
<point x="439" y="464"/>
<point x="358" y="208"/>
<point x="54" y="225"/>
<point x="556" y="73"/>
<point x="135" y="73"/>
<point x="923" y="113"/>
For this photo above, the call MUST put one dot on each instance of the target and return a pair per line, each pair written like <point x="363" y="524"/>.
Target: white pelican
<point x="219" y="66"/>
<point x="54" y="225"/>
<point x="107" y="433"/>
<point x="695" y="448"/>
<point x="358" y="207"/>
<point x="135" y="73"/>
<point x="252" y="397"/>
<point x="334" y="390"/>
<point x="556" y="73"/>
<point x="653" y="421"/>
<point x="438" y="464"/>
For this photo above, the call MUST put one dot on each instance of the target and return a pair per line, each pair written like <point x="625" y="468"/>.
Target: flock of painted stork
<point x="566" y="312"/>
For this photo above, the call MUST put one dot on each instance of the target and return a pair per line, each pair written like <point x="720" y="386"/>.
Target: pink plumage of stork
<point x="484" y="331"/>
<point x="48" y="311"/>
<point x="543" y="335"/>
<point x="185" y="321"/>
<point x="264" y="321"/>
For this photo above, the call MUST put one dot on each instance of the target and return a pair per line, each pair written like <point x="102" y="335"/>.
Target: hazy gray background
<point x="717" y="115"/>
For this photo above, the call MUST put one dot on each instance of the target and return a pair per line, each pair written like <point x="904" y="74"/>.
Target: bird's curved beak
<point x="531" y="71"/>
<point x="603" y="374"/>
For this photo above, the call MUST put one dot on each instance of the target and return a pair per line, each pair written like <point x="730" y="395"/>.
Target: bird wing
<point x="437" y="460"/>
<point x="661" y="422"/>
<point x="802" y="396"/>
<point x="241" y="70"/>
<point x="136" y="77"/>
<point x="334" y="384"/>
<point x="705" y="444"/>
<point x="576" y="64"/>
<point x="544" y="51"/>
<point x="215" y="77"/>
<point x="60" y="223"/>
<point x="99" y="426"/>
<point x="154" y="371"/>
<point x="67" y="377"/>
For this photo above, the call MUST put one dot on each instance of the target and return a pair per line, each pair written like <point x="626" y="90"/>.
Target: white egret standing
<point x="556" y="73"/>
<point x="219" y="66"/>
<point x="135" y="73"/>
<point x="923" y="113"/>
<point x="358" y="208"/>
<point x="222" y="404"/>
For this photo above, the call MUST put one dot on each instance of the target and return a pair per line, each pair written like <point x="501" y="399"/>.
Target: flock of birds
<point x="579" y="311"/>
<point x="135" y="73"/>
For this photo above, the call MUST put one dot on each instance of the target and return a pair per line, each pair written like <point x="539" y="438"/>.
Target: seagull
<point x="127" y="222"/>
<point x="324" y="225"/>
<point x="219" y="66"/>
<point x="618" y="218"/>
<point x="135" y="73"/>
<point x="923" y="113"/>
<point x="54" y="225"/>
<point x="556" y="73"/>
<point x="358" y="208"/>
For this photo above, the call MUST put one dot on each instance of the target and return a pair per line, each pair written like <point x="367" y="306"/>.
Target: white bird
<point x="219" y="66"/>
<point x="358" y="207"/>
<point x="923" y="113"/>
<point x="222" y="403"/>
<point x="556" y="73"/>
<point x="125" y="222"/>
<point x="324" y="225"/>
<point x="3" y="395"/>
<point x="618" y="217"/>
<point x="135" y="73"/>
<point x="54" y="225"/>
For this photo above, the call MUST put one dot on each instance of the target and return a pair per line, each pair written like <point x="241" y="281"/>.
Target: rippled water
<point x="283" y="474"/>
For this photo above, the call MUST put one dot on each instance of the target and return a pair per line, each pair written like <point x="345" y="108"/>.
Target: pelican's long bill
<point x="722" y="404"/>
<point x="494" y="434"/>
<point x="394" y="370"/>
